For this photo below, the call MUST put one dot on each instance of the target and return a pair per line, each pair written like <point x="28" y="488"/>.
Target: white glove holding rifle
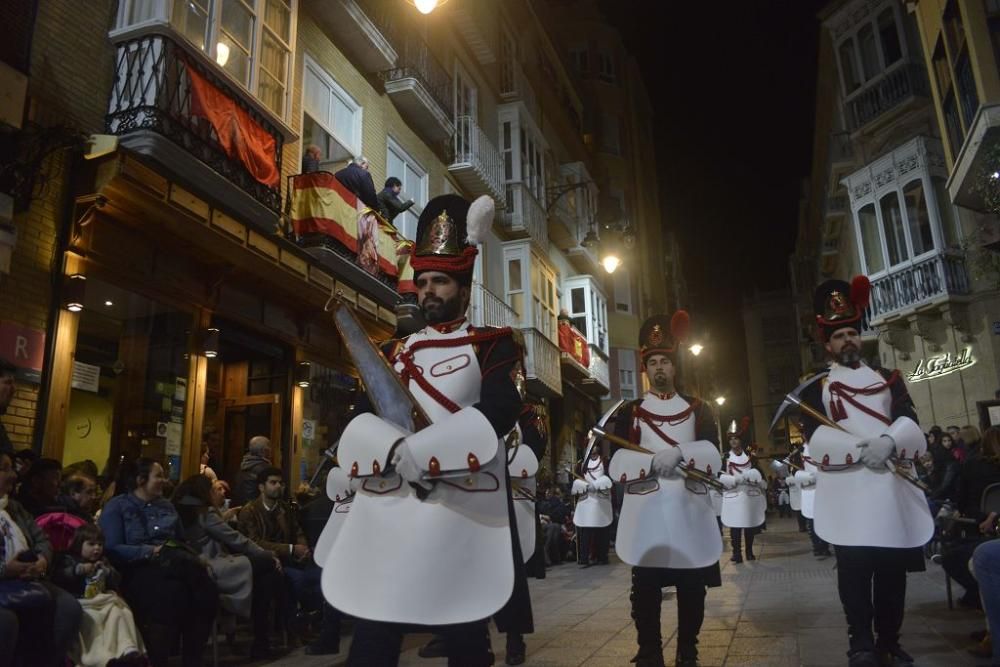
<point x="876" y="451"/>
<point x="665" y="463"/>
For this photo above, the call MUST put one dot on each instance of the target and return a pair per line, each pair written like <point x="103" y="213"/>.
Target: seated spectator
<point x="273" y="524"/>
<point x="257" y="458"/>
<point x="986" y="565"/>
<point x="946" y="467"/>
<point x="971" y="441"/>
<point x="246" y="575"/>
<point x="39" y="634"/>
<point x="23" y="460"/>
<point x="40" y="487"/>
<point x="973" y="478"/>
<point x="77" y="497"/>
<point x="108" y="633"/>
<point x="166" y="585"/>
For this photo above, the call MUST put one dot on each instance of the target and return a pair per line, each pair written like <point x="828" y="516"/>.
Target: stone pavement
<point x="781" y="610"/>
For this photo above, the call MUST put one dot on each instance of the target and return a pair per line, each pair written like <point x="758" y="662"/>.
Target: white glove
<point x="738" y="478"/>
<point x="665" y="462"/>
<point x="728" y="481"/>
<point x="590" y="486"/>
<point x="876" y="451"/>
<point x="752" y="476"/>
<point x="407" y="466"/>
<point x="603" y="483"/>
<point x="805" y="478"/>
<point x="791" y="480"/>
<point x="579" y="487"/>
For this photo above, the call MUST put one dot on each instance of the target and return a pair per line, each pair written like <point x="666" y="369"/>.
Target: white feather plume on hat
<point x="479" y="219"/>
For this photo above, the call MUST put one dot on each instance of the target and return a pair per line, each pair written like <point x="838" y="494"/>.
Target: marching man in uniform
<point x="863" y="436"/>
<point x="429" y="538"/>
<point x="593" y="514"/>
<point x="667" y="529"/>
<point x="743" y="504"/>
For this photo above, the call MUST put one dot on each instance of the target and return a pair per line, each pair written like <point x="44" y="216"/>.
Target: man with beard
<point x="667" y="529"/>
<point x="864" y="438"/>
<point x="429" y="544"/>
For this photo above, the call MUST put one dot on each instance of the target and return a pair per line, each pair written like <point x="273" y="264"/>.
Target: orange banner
<point x="241" y="136"/>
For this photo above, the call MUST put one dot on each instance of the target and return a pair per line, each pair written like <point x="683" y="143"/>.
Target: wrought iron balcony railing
<point x="152" y="91"/>
<point x="524" y="216"/>
<point x="886" y="92"/>
<point x="932" y="279"/>
<point x="599" y="367"/>
<point x="489" y="310"/>
<point x="541" y="361"/>
<point x="476" y="161"/>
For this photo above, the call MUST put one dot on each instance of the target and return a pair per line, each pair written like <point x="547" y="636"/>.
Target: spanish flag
<point x="321" y="204"/>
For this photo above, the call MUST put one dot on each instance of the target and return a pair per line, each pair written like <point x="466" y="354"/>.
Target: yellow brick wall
<point x="71" y="74"/>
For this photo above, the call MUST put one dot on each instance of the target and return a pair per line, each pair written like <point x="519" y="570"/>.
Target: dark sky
<point x="733" y="86"/>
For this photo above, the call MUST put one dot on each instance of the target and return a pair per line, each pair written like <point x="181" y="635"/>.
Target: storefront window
<point x="327" y="406"/>
<point x="130" y="385"/>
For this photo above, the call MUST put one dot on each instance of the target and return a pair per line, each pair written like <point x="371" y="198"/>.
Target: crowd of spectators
<point x="133" y="570"/>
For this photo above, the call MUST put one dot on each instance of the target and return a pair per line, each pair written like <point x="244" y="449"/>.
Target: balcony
<point x="515" y="87"/>
<point x="486" y="309"/>
<point x="358" y="29"/>
<point x="973" y="160"/>
<point x="926" y="283"/>
<point x="541" y="363"/>
<point x="524" y="217"/>
<point x="166" y="106"/>
<point x="477" y="24"/>
<point x="574" y="354"/>
<point x="476" y="163"/>
<point x="835" y="206"/>
<point x="563" y="224"/>
<point x="585" y="260"/>
<point x="901" y="83"/>
<point x="599" y="382"/>
<point x="420" y="87"/>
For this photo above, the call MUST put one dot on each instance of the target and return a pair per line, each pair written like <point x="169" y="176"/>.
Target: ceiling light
<point x="75" y="292"/>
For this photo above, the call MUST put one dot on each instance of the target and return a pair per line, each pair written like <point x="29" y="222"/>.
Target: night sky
<point x="733" y="87"/>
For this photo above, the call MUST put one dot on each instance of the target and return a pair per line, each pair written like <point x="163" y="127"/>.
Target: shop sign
<point x="944" y="364"/>
<point x="24" y="348"/>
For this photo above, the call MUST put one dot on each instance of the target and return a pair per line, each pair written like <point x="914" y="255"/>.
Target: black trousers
<point x="378" y="644"/>
<point x="594" y="544"/>
<point x="646" y="597"/>
<point x="872" y="586"/>
<point x="955" y="561"/>
<point x="803" y="522"/>
<point x="739" y="535"/>
<point x="819" y="544"/>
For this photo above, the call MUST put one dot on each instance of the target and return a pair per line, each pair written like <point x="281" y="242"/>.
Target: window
<point x="623" y="291"/>
<point x="869" y="53"/>
<point x="578" y="309"/>
<point x="889" y="37"/>
<point x="871" y="242"/>
<point x="414" y="177"/>
<point x="626" y="374"/>
<point x="331" y="118"/>
<point x="250" y="39"/>
<point x="849" y="67"/>
<point x="993" y="23"/>
<point x="515" y="290"/>
<point x="965" y="84"/>
<point x="610" y="134"/>
<point x="917" y="218"/>
<point x="606" y="67"/>
<point x="544" y="299"/>
<point x="892" y="228"/>
<point x="578" y="57"/>
<point x="587" y="308"/>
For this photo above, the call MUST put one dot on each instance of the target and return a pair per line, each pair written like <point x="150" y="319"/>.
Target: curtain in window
<point x="917" y="217"/>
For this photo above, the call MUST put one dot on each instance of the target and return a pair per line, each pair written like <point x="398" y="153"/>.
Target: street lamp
<point x="610" y="261"/>
<point x="427" y="6"/>
<point x="721" y="400"/>
<point x="696" y="349"/>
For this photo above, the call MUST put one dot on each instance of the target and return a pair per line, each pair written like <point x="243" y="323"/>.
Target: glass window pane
<point x="889" y="36"/>
<point x="271" y="93"/>
<point x="869" y="52"/>
<point x="917" y="217"/>
<point x="849" y="67"/>
<point x="191" y="18"/>
<point x="870" y="239"/>
<point x="144" y="10"/>
<point x="892" y="227"/>
<point x="273" y="58"/>
<point x="237" y="20"/>
<point x="514" y="275"/>
<point x="949" y="226"/>
<point x="234" y="59"/>
<point x="317" y="95"/>
<point x="343" y="119"/>
<point x="578" y="300"/>
<point x="277" y="17"/>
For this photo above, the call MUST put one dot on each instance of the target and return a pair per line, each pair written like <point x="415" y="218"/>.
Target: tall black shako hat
<point x="662" y="335"/>
<point x="448" y="231"/>
<point x="838" y="305"/>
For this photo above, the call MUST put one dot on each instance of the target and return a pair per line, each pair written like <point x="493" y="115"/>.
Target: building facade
<point x="170" y="274"/>
<point x="879" y="204"/>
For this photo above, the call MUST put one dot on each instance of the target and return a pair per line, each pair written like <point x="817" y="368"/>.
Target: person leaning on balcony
<point x="389" y="203"/>
<point x="311" y="159"/>
<point x="356" y="178"/>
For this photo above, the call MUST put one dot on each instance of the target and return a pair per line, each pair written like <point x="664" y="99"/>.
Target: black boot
<point x="159" y="641"/>
<point x="646" y="596"/>
<point x="515" y="649"/>
<point x="736" y="538"/>
<point x="749" y="543"/>
<point x="687" y="656"/>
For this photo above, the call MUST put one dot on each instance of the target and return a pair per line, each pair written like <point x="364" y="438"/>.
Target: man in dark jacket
<point x="40" y="487"/>
<point x="389" y="202"/>
<point x="274" y="525"/>
<point x="257" y="458"/>
<point x="356" y="178"/>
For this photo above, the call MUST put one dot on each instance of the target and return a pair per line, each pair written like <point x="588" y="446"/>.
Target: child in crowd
<point x="108" y="634"/>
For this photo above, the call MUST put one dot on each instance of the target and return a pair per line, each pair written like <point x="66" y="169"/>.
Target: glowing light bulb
<point x="721" y="400"/>
<point x="221" y="54"/>
<point x="610" y="263"/>
<point x="696" y="349"/>
<point x="425" y="6"/>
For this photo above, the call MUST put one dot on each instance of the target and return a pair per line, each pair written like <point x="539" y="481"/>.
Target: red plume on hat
<point x="680" y="325"/>
<point x="861" y="290"/>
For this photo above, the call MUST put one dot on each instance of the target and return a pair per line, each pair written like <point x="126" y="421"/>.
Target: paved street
<point x="781" y="610"/>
